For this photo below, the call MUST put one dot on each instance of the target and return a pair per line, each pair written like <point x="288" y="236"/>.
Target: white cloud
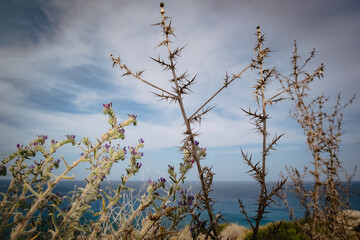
<point x="220" y="37"/>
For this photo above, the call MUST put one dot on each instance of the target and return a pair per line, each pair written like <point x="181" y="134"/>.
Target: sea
<point x="225" y="195"/>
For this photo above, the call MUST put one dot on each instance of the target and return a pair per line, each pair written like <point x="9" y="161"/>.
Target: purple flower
<point x="32" y="167"/>
<point x="190" y="200"/>
<point x="202" y="152"/>
<point x="57" y="161"/>
<point x="132" y="116"/>
<point x="121" y="130"/>
<point x="142" y="154"/>
<point x="203" y="149"/>
<point x="196" y="143"/>
<point x="43" y="136"/>
<point x="107" y="146"/>
<point x="59" y="194"/>
<point x="35" y="143"/>
<point x="141" y="140"/>
<point x="125" y="150"/>
<point x="138" y="165"/>
<point x="18" y="145"/>
<point x="162" y="180"/>
<point x="109" y="105"/>
<point x="156" y="194"/>
<point x="70" y="136"/>
<point x="82" y="154"/>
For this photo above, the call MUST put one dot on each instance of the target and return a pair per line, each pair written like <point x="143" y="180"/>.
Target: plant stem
<point x="37" y="204"/>
<point x="262" y="197"/>
<point x="222" y="88"/>
<point x="189" y="132"/>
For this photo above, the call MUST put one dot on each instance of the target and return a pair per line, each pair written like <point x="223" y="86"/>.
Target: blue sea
<point x="226" y="195"/>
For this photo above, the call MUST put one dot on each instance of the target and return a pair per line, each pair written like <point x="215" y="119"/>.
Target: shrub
<point x="284" y="231"/>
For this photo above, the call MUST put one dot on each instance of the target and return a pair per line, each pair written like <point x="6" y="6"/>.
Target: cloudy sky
<point x="55" y="74"/>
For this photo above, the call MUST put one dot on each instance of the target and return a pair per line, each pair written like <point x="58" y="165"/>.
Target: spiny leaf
<point x="273" y="142"/>
<point x="163" y="43"/>
<point x="176" y="53"/>
<point x="165" y="65"/>
<point x="163" y="96"/>
<point x="198" y="117"/>
<point x="139" y="73"/>
<point x="185" y="88"/>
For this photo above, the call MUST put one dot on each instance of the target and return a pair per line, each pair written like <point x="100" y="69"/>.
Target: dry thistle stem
<point x="181" y="86"/>
<point x="259" y="119"/>
<point x="324" y="204"/>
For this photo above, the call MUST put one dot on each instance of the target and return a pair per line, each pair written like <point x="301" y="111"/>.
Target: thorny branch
<point x="117" y="61"/>
<point x="323" y="204"/>
<point x="181" y="86"/>
<point x="259" y="170"/>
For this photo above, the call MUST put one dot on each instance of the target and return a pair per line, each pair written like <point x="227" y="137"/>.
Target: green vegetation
<point x="283" y="231"/>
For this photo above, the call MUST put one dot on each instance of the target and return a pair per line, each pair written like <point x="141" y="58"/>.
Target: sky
<point x="56" y="73"/>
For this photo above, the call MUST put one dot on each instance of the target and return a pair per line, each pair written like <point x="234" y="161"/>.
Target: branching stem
<point x="189" y="131"/>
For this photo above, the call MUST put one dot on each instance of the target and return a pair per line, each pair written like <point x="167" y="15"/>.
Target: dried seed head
<point x="162" y="11"/>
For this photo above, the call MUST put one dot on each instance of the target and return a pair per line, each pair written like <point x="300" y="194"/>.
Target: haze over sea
<point x="226" y="195"/>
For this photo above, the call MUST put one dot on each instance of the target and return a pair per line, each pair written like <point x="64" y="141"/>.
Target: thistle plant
<point x="259" y="119"/>
<point x="32" y="209"/>
<point x="30" y="197"/>
<point x="324" y="202"/>
<point x="30" y="193"/>
<point x="181" y="85"/>
<point x="159" y="201"/>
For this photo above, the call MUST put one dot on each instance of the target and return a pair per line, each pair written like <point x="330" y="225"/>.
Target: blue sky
<point x="55" y="74"/>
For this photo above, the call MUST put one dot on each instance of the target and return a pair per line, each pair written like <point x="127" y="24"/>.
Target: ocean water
<point x="226" y="195"/>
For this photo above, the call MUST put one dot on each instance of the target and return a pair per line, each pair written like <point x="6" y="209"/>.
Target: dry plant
<point x="325" y="201"/>
<point x="259" y="119"/>
<point x="181" y="86"/>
